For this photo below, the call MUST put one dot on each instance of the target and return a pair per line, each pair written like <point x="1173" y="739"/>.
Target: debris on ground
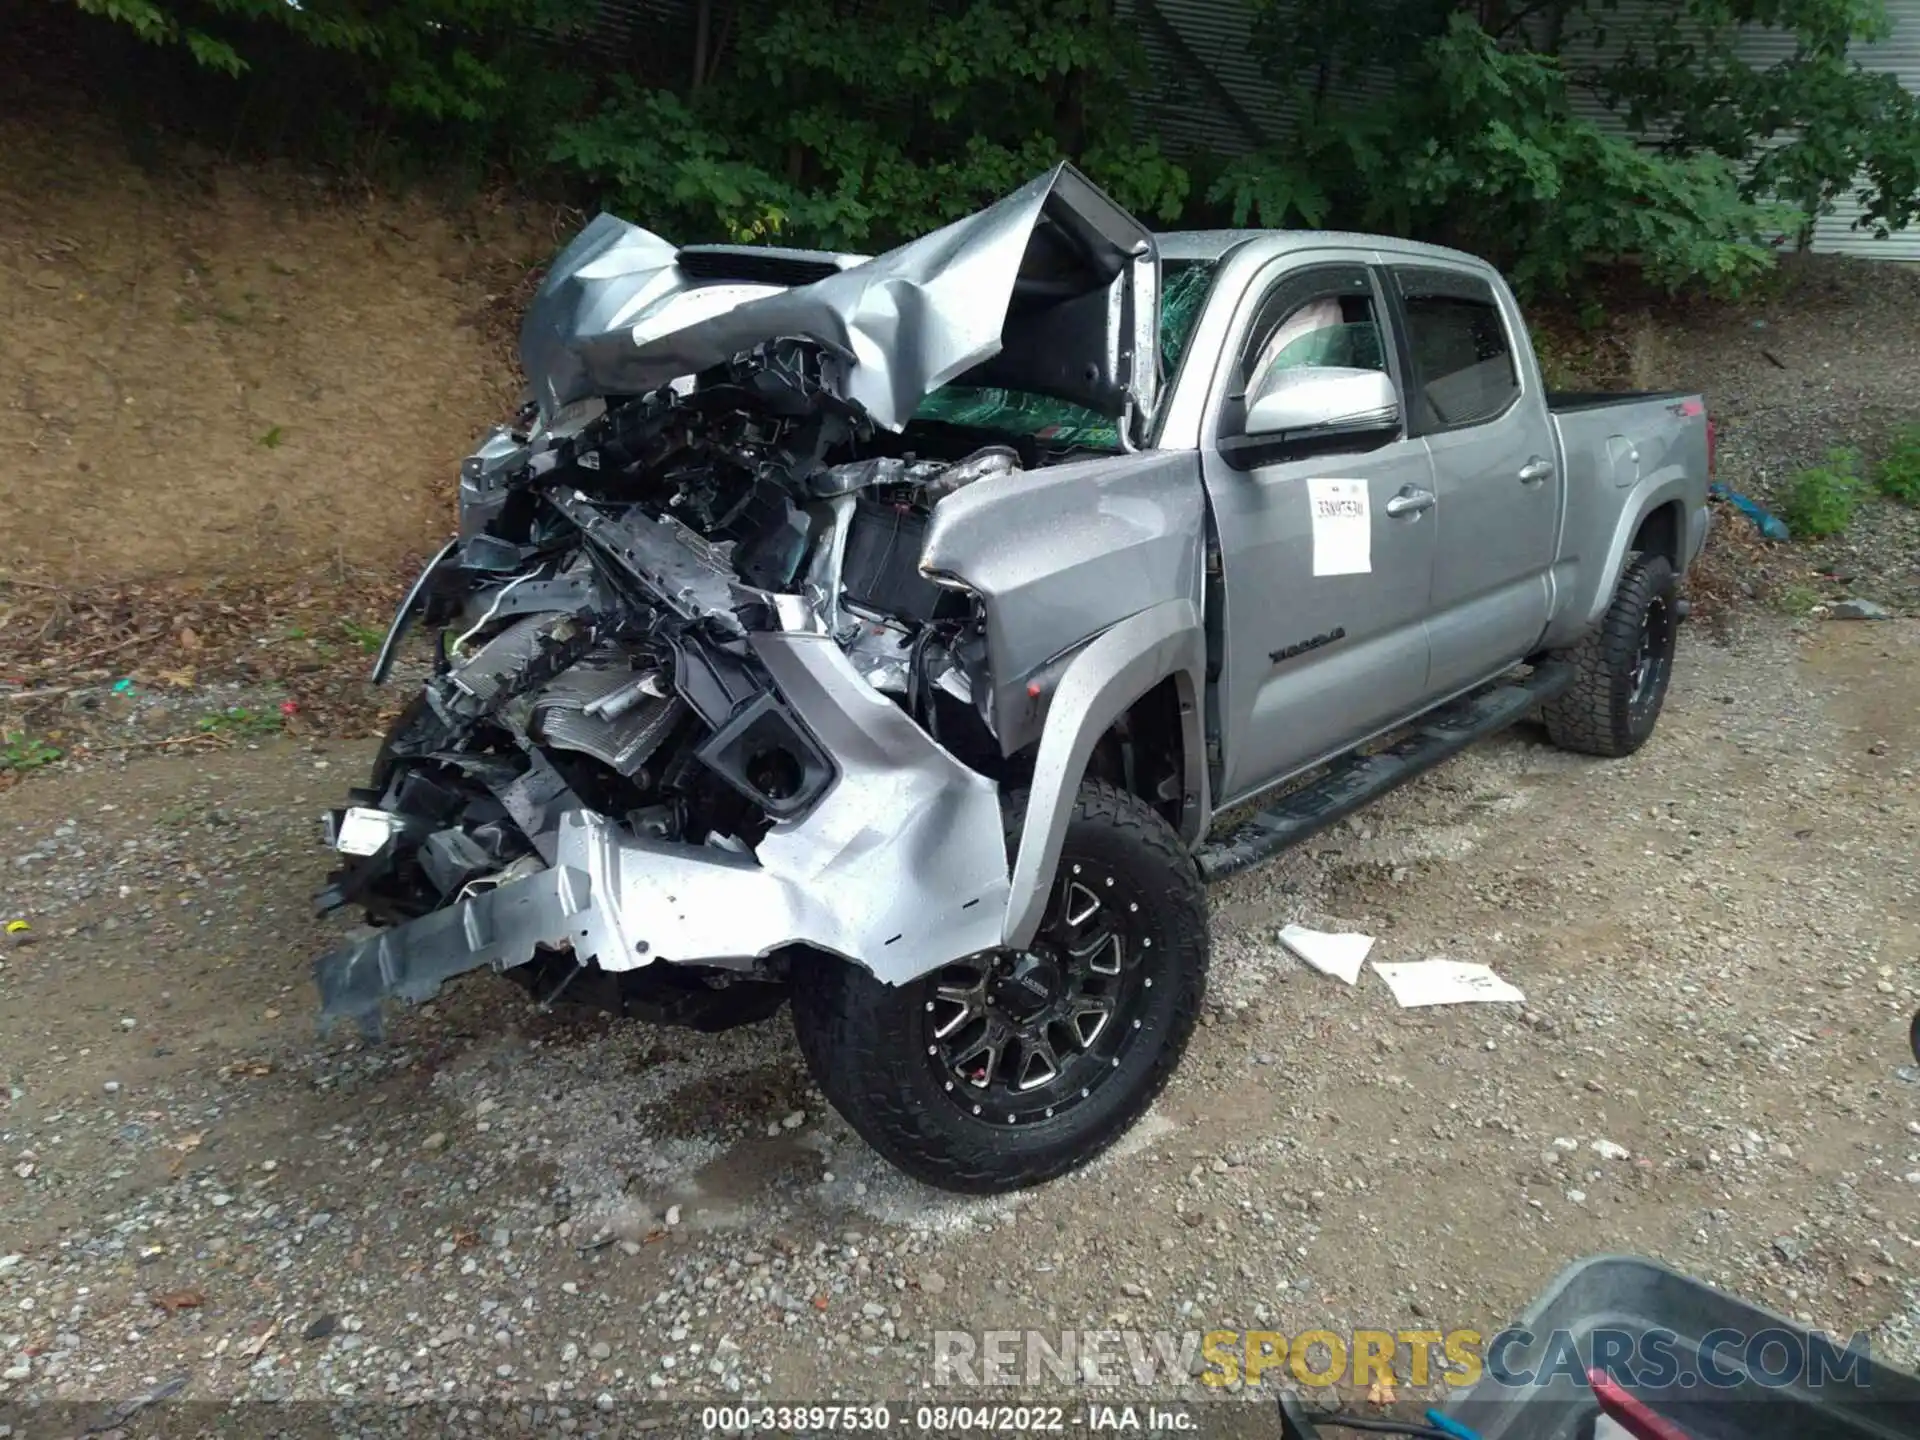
<point x="1445" y="982"/>
<point x="1723" y="1022"/>
<point x="1336" y="953"/>
<point x="1857" y="609"/>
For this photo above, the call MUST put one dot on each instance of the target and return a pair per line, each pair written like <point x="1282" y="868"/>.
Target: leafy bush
<point x="1898" y="475"/>
<point x="856" y="123"/>
<point x="1821" y="499"/>
<point x="21" y="752"/>
<point x="1505" y="168"/>
<point x="1456" y="124"/>
<point x="856" y="131"/>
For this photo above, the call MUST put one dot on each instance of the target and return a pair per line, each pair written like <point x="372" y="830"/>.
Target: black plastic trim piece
<point x="1356" y="780"/>
<point x="764" y="724"/>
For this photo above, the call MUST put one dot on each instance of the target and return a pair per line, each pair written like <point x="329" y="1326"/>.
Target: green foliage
<point x="342" y="74"/>
<point x="856" y="123"/>
<point x="1796" y="599"/>
<point x="240" y="722"/>
<point x="1500" y="164"/>
<point x="1821" y="499"/>
<point x="1455" y="123"/>
<point x="859" y="130"/>
<point x="368" y="637"/>
<point x="1898" y="475"/>
<point x="22" y="752"/>
<point x="1805" y="125"/>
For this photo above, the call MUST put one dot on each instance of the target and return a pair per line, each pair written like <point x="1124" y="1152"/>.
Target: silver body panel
<point x="900" y="868"/>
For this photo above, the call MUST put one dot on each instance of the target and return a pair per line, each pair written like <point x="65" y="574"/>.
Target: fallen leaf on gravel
<point x="259" y="1342"/>
<point x="465" y="1239"/>
<point x="179" y="679"/>
<point x="180" y="1300"/>
<point x="190" y="1142"/>
<point x="254" y="1068"/>
<point x="1381" y="1393"/>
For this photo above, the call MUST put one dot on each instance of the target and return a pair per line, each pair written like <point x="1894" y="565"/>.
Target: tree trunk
<point x="702" y="37"/>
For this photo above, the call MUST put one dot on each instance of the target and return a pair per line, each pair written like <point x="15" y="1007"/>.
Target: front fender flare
<point x="1100" y="683"/>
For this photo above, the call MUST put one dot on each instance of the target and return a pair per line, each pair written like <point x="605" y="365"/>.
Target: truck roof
<point x="1214" y="244"/>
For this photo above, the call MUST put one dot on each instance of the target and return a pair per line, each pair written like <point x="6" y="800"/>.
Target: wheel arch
<point x="1653" y="521"/>
<point x="1662" y="531"/>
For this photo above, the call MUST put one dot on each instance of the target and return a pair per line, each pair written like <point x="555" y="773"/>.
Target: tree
<point x="1803" y="128"/>
<point x="1456" y="122"/>
<point x="855" y="125"/>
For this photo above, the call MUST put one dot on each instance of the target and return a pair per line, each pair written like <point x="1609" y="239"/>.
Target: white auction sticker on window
<point x="1342" y="527"/>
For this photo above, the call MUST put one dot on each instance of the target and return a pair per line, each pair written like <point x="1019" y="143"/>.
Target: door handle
<point x="1535" y="470"/>
<point x="1410" y="502"/>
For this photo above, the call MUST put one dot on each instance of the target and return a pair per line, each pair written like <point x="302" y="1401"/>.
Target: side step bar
<point x="1358" y="780"/>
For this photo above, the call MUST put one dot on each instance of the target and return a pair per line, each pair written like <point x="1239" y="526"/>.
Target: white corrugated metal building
<point x="1211" y="92"/>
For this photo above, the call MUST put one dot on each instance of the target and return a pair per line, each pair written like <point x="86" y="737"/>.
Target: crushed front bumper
<point x="901" y="868"/>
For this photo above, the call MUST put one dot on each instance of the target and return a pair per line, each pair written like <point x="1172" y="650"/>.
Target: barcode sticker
<point x="1342" y="527"/>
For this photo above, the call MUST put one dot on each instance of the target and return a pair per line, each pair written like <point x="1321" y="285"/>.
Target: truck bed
<point x="1566" y="402"/>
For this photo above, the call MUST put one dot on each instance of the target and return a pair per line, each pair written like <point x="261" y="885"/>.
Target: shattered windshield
<point x="1184" y="286"/>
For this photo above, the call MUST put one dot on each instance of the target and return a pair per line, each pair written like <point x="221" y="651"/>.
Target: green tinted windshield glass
<point x="1059" y="422"/>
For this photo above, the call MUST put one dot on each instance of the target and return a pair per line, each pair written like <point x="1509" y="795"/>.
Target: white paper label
<point x="1446" y="982"/>
<point x="1342" y="527"/>
<point x="1337" y="954"/>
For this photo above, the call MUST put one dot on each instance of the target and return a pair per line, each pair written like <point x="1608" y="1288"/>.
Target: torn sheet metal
<point x="901" y="867"/>
<point x="623" y="311"/>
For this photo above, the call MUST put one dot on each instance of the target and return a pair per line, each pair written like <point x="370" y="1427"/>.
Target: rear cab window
<point x="1459" y="349"/>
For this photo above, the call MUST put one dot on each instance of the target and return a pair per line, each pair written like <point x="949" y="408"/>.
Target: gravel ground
<point x="1717" y="940"/>
<point x="1824" y="360"/>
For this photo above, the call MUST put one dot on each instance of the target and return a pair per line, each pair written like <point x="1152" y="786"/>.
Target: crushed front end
<point x="645" y="743"/>
<point x="694" y="709"/>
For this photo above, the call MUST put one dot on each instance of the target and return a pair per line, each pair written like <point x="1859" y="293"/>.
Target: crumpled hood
<point x="1052" y="290"/>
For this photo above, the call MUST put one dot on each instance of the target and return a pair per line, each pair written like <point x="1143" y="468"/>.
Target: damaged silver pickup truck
<point x="884" y="636"/>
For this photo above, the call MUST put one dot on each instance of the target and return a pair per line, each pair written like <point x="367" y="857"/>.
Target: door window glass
<point x="1316" y="318"/>
<point x="1463" y="370"/>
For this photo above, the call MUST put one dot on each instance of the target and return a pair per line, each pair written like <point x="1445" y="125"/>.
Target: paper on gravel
<point x="1338" y="954"/>
<point x="1445" y="982"/>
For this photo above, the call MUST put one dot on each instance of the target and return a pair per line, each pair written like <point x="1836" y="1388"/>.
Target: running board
<point x="1358" y="780"/>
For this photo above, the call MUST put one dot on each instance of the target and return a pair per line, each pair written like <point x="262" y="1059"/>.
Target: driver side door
<point x="1318" y="615"/>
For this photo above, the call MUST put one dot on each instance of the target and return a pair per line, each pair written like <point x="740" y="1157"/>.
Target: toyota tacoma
<point x="910" y="639"/>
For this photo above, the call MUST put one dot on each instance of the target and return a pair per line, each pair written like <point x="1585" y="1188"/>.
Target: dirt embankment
<point x="213" y="370"/>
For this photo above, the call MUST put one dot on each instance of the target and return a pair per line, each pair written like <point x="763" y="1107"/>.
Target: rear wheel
<point x="1006" y="1069"/>
<point x="1623" y="668"/>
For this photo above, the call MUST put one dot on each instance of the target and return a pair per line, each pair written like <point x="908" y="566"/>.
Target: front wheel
<point x="1621" y="670"/>
<point x="1007" y="1069"/>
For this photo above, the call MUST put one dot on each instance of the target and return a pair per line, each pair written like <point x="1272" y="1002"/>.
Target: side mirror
<point x="1323" y="400"/>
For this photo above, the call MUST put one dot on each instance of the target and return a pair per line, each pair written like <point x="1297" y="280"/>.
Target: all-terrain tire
<point x="1622" y="669"/>
<point x="867" y="1042"/>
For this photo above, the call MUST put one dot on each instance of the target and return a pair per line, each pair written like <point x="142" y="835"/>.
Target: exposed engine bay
<point x="697" y="696"/>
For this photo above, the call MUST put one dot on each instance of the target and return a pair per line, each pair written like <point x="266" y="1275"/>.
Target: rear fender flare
<point x="1099" y="684"/>
<point x="1657" y="490"/>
